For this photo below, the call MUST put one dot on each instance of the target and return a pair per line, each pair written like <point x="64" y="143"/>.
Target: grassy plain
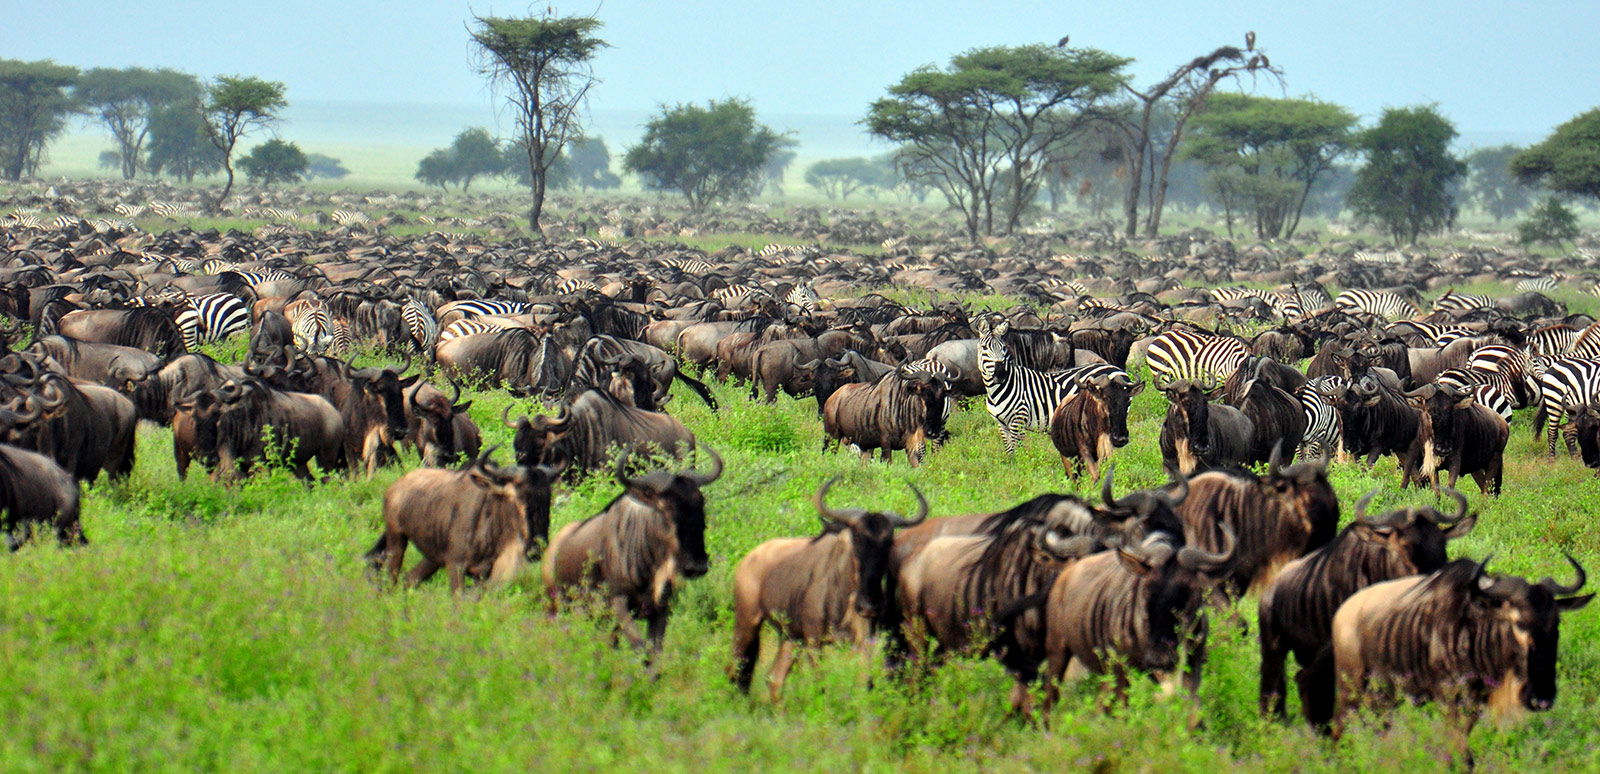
<point x="212" y="628"/>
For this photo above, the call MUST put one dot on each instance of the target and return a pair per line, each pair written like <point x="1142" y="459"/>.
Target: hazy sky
<point x="1493" y="66"/>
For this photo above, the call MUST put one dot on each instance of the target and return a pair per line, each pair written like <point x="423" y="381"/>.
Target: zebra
<point x="574" y="285"/>
<point x="164" y="210"/>
<point x="1567" y="382"/>
<point x="211" y="318"/>
<point x="254" y="278"/>
<point x="1381" y="303"/>
<point x="1540" y="284"/>
<point x="1551" y="341"/>
<point x="127" y="210"/>
<point x="1324" y="429"/>
<point x="734" y="296"/>
<point x="1452" y="301"/>
<point x="341" y="338"/>
<point x="1019" y="397"/>
<point x="1430" y="334"/>
<point x="1510" y="370"/>
<point x="1468" y="380"/>
<point x="461" y="328"/>
<point x="1193" y="356"/>
<point x="349" y="218"/>
<point x="803" y="296"/>
<point x="687" y="264"/>
<point x="311" y="324"/>
<point x="491" y="307"/>
<point x="424" y="329"/>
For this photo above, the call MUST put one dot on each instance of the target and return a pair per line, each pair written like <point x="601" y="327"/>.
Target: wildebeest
<point x="85" y="428"/>
<point x="1086" y="426"/>
<point x="1137" y="607"/>
<point x="1275" y="414"/>
<point x="528" y="364"/>
<point x="304" y="428"/>
<point x="814" y="589"/>
<point x="146" y="329"/>
<point x="374" y="416"/>
<point x="1276" y="518"/>
<point x="439" y="427"/>
<point x="107" y="364"/>
<point x="1460" y="435"/>
<point x="589" y="427"/>
<point x="35" y="490"/>
<point x="1296" y="610"/>
<point x="634" y="550"/>
<point x="898" y="411"/>
<point x="483" y="522"/>
<point x="1378" y="420"/>
<point x="1459" y="635"/>
<point x="829" y="374"/>
<point x="1198" y="435"/>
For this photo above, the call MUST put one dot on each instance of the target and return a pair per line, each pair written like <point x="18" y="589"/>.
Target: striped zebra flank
<point x="212" y="318"/>
<point x="1184" y="355"/>
<point x="1565" y="384"/>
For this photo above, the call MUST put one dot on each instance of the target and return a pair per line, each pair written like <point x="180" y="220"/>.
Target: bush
<point x="1550" y="223"/>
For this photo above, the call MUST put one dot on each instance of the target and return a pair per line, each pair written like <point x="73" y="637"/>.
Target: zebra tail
<point x="698" y="386"/>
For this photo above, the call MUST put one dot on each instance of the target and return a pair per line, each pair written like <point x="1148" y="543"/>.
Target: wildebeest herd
<point x="1053" y="586"/>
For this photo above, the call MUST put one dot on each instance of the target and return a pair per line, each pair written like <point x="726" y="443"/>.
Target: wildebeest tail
<point x="1319" y="689"/>
<point x="376" y="555"/>
<point x="699" y="387"/>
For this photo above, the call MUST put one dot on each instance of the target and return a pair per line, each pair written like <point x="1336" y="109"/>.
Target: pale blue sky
<point x="1493" y="67"/>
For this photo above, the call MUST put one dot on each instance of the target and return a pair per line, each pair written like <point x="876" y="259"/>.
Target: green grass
<point x="211" y="628"/>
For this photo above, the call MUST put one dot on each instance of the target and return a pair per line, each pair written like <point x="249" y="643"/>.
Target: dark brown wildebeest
<point x="1198" y="435"/>
<point x="1276" y="518"/>
<point x="85" y="428"/>
<point x="305" y="427"/>
<point x="1134" y="607"/>
<point x="898" y="411"/>
<point x="107" y="364"/>
<point x="1275" y="414"/>
<point x="528" y="364"/>
<point x="1296" y="610"/>
<point x="849" y="367"/>
<point x="146" y="329"/>
<point x="1586" y="427"/>
<point x="35" y="490"/>
<point x="587" y="429"/>
<point x="1460" y="435"/>
<point x="439" y="427"/>
<point x="818" y="588"/>
<point x="634" y="550"/>
<point x="660" y="366"/>
<point x="1378" y="420"/>
<point x="1086" y="426"/>
<point x="374" y="415"/>
<point x="1459" y="636"/>
<point x="483" y="522"/>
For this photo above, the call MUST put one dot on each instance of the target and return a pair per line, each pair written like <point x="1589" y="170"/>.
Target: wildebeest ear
<point x="460" y="407"/>
<point x="1567" y="604"/>
<point x="1466" y="402"/>
<point x="1138" y="387"/>
<point x="1133" y="562"/>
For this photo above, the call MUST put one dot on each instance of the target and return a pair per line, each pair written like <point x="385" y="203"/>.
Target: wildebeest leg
<point x="780" y="669"/>
<point x="457" y="571"/>
<point x="1273" y="683"/>
<point x="746" y="651"/>
<point x="395" y="550"/>
<point x="625" y="623"/>
<point x="70" y="533"/>
<point x="425" y="570"/>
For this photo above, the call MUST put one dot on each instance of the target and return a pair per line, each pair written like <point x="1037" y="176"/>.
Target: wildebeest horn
<point x="1557" y="589"/>
<point x="1065" y="548"/>
<point x="49" y="403"/>
<point x="897" y="520"/>
<point x="810" y="365"/>
<point x="15" y="419"/>
<point x="505" y="417"/>
<point x="705" y="478"/>
<point x="622" y="467"/>
<point x="456" y="387"/>
<point x="406" y="366"/>
<point x="1105" y="486"/>
<point x="1275" y="461"/>
<point x="1176" y="499"/>
<point x="1461" y="505"/>
<point x="1361" y="505"/>
<point x="848" y="517"/>
<point x="1199" y="559"/>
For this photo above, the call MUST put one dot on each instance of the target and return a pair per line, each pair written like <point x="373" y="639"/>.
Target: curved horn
<point x="1275" y="461"/>
<point x="1361" y="505"/>
<point x="622" y="467"/>
<point x="1065" y="548"/>
<point x="1557" y="589"/>
<point x="705" y="478"/>
<point x="820" y="499"/>
<point x="1105" y="486"/>
<point x="406" y="366"/>
<point x="1461" y="506"/>
<point x="897" y="520"/>
<point x="505" y="417"/>
<point x="456" y="388"/>
<point x="1196" y="558"/>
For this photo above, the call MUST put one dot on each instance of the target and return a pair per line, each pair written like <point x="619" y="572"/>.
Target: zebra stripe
<point x="1540" y="284"/>
<point x="1552" y="341"/>
<point x="1381" y="303"/>
<point x="803" y="296"/>
<point x="1452" y="301"/>
<point x="1567" y="382"/>
<point x="1019" y="397"/>
<point x="1508" y="369"/>
<point x="311" y="325"/>
<point x="494" y="307"/>
<point x="461" y="328"/>
<point x="573" y="285"/>
<point x="1467" y="380"/>
<point x="211" y="318"/>
<point x="1324" y="429"/>
<point x="1188" y="355"/>
<point x="420" y="324"/>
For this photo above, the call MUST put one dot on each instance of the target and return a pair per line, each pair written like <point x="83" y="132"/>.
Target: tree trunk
<point x="1130" y="205"/>
<point x="227" y="163"/>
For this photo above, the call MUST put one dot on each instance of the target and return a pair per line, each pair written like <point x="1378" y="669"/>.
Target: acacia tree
<point x="1266" y="154"/>
<point x="778" y="162"/>
<point x="1405" y="184"/>
<point x="543" y="64"/>
<point x="275" y="161"/>
<point x="982" y="130"/>
<point x="126" y="101"/>
<point x="34" y="105"/>
<point x="1568" y="161"/>
<point x="838" y="178"/>
<point x="180" y="142"/>
<point x="475" y="154"/>
<point x="1493" y="186"/>
<point x="590" y="160"/>
<point x="1152" y="144"/>
<point x="235" y="106"/>
<point x="708" y="154"/>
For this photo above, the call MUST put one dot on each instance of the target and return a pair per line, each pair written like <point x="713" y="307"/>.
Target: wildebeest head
<point x="1441" y="406"/>
<point x="1586" y="424"/>
<point x="1531" y="615"/>
<point x="204" y="411"/>
<point x="1417" y="536"/>
<point x="930" y="390"/>
<point x="384" y="389"/>
<point x="677" y="497"/>
<point x="1116" y="391"/>
<point x="521" y="490"/>
<point x="1188" y="401"/>
<point x="536" y="435"/>
<point x="436" y="432"/>
<point x="871" y="538"/>
<point x="1172" y="590"/>
<point x="1303" y="489"/>
<point x="1138" y="515"/>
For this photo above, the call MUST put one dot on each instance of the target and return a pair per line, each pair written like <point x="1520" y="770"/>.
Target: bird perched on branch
<point x="1062" y="43"/>
<point x="1249" y="40"/>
